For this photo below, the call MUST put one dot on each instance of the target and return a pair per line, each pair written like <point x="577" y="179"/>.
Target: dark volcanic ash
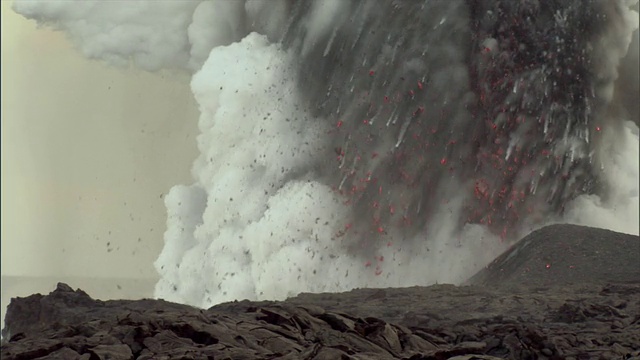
<point x="500" y="102"/>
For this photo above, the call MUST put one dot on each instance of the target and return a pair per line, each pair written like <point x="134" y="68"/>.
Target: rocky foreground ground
<point x="534" y="302"/>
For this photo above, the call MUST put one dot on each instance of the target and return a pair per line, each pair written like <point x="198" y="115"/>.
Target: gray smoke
<point x="503" y="102"/>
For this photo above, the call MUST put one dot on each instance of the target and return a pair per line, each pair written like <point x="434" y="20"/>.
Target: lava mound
<point x="564" y="255"/>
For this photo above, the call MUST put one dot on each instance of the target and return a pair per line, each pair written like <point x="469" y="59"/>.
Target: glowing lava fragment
<point x="598" y="128"/>
<point x="548" y="266"/>
<point x="443" y="161"/>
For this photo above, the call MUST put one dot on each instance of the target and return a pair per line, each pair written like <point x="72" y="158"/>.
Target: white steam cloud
<point x="256" y="223"/>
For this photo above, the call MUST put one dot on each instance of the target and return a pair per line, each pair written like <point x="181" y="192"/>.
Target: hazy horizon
<point x="87" y="151"/>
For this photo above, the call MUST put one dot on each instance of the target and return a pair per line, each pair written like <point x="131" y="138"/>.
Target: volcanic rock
<point x="505" y="313"/>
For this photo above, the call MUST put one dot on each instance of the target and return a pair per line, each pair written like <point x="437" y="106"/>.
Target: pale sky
<point x="87" y="150"/>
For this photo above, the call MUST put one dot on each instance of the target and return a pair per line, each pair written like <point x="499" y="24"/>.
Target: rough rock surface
<point x="564" y="255"/>
<point x="519" y="316"/>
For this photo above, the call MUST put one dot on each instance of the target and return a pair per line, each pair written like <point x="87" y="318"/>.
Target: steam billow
<point x="378" y="143"/>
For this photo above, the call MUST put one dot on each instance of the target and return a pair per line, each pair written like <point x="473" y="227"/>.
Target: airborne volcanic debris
<point x="495" y="100"/>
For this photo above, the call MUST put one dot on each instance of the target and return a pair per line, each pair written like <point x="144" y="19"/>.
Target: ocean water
<point x="349" y="144"/>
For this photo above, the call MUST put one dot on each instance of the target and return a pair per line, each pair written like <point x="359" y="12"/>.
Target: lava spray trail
<point x="501" y="103"/>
